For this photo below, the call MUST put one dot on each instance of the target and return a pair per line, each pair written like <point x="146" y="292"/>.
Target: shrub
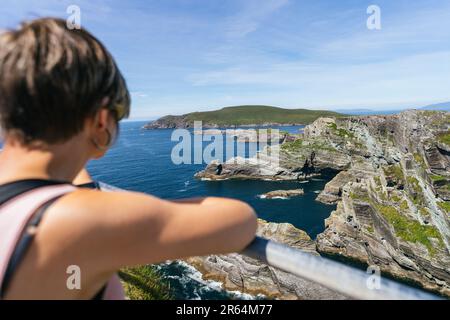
<point x="145" y="283"/>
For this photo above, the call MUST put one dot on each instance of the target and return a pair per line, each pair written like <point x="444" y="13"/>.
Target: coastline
<point x="391" y="190"/>
<point x="153" y="126"/>
<point x="247" y="275"/>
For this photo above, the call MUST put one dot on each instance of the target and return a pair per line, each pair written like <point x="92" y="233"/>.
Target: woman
<point x="61" y="98"/>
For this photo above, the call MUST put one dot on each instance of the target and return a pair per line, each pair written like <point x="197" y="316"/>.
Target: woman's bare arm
<point x="184" y="227"/>
<point x="131" y="228"/>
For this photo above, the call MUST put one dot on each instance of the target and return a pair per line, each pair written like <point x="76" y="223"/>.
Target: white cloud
<point x="251" y="16"/>
<point x="419" y="77"/>
<point x="419" y="30"/>
<point x="138" y="94"/>
<point x="338" y="62"/>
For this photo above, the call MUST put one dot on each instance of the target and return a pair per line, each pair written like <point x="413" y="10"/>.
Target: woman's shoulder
<point x="95" y="206"/>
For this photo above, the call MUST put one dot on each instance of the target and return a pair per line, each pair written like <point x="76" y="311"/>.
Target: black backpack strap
<point x="90" y="185"/>
<point x="10" y="190"/>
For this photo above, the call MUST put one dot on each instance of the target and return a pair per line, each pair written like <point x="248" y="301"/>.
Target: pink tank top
<point x="15" y="215"/>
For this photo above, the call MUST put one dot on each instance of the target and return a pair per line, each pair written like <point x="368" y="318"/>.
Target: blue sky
<point x="180" y="56"/>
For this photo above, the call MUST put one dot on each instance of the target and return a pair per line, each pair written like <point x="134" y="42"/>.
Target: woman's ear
<point x="101" y="133"/>
<point x="103" y="118"/>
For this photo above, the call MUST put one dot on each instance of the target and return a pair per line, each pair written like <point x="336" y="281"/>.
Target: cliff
<point x="392" y="189"/>
<point x="238" y="272"/>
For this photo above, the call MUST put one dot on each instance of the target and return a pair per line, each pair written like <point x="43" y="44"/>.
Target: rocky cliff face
<point x="392" y="209"/>
<point x="392" y="190"/>
<point x="238" y="272"/>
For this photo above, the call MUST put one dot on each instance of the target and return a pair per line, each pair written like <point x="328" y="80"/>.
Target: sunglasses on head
<point x="120" y="111"/>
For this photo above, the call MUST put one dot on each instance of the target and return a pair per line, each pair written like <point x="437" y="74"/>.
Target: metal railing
<point x="349" y="281"/>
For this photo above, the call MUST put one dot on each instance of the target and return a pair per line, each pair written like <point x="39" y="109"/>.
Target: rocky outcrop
<point x="287" y="161"/>
<point x="238" y="272"/>
<point x="209" y="132"/>
<point x="389" y="214"/>
<point x="241" y="168"/>
<point x="182" y="122"/>
<point x="245" y="135"/>
<point x="381" y="232"/>
<point x="392" y="190"/>
<point x="283" y="194"/>
<point x="170" y="122"/>
<point x="332" y="192"/>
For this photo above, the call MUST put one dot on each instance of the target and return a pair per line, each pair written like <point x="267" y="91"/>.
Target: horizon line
<point x="417" y="106"/>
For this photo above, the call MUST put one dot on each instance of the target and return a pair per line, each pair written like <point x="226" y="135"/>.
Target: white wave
<point x="209" y="179"/>
<point x="263" y="196"/>
<point x="193" y="274"/>
<point x="306" y="181"/>
<point x="209" y="285"/>
<point x="317" y="191"/>
<point x="245" y="296"/>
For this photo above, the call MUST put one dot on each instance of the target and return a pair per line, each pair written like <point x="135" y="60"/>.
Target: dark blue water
<point x="141" y="161"/>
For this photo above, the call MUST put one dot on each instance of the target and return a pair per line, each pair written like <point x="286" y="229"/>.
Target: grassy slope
<point x="145" y="283"/>
<point x="245" y="115"/>
<point x="445" y="138"/>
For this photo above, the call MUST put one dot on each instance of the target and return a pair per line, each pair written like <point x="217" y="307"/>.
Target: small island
<point x="242" y="116"/>
<point x="282" y="194"/>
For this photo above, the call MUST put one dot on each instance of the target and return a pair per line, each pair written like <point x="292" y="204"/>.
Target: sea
<point x="141" y="161"/>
